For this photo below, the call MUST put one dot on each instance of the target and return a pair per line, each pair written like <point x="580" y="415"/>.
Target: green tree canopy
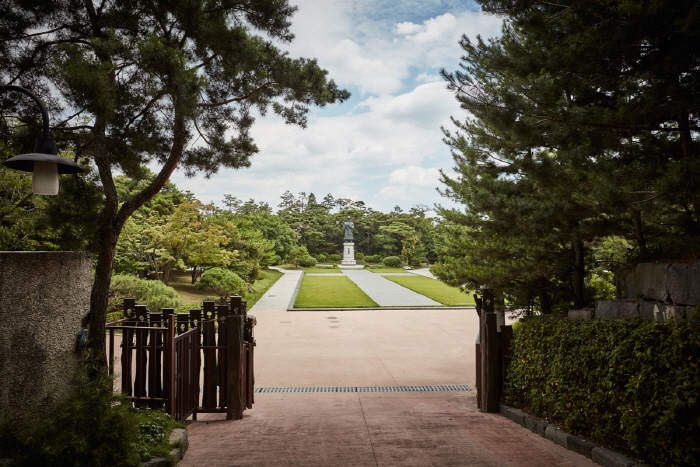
<point x="139" y="81"/>
<point x="582" y="123"/>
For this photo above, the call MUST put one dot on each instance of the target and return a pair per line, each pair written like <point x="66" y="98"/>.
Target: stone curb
<point x="178" y="435"/>
<point x="600" y="456"/>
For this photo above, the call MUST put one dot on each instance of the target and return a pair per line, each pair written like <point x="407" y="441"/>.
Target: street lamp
<point x="44" y="164"/>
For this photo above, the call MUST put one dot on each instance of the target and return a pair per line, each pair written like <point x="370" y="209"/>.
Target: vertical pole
<point x="490" y="348"/>
<point x="169" y="366"/>
<point x="234" y="332"/>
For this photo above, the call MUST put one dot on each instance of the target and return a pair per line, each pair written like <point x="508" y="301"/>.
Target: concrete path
<point x="424" y="272"/>
<point x="392" y="429"/>
<point x="385" y="292"/>
<point x="279" y="296"/>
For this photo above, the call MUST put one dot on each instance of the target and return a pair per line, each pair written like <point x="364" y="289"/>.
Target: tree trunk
<point x="99" y="298"/>
<point x="638" y="227"/>
<point x="112" y="220"/>
<point x="543" y="295"/>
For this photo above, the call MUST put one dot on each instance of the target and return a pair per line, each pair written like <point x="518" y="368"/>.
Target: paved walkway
<point x="378" y="348"/>
<point x="385" y="292"/>
<point x="279" y="296"/>
<point x="379" y="289"/>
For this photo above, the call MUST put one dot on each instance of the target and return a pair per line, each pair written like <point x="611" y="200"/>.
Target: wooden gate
<point x="492" y="353"/>
<point x="186" y="363"/>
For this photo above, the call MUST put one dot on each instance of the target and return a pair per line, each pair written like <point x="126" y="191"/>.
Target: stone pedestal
<point x="348" y="254"/>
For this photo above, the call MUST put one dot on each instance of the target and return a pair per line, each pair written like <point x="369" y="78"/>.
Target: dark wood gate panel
<point x="164" y="356"/>
<point x="492" y="354"/>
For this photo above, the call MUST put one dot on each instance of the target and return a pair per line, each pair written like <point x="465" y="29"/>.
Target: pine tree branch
<point x="242" y="98"/>
<point x="33" y="35"/>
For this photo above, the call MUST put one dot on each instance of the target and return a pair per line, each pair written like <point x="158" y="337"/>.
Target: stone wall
<point x="651" y="292"/>
<point x="43" y="298"/>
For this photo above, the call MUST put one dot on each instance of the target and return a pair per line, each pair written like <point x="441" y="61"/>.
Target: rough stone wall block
<point x="43" y="298"/>
<point x="648" y="310"/>
<point x="673" y="311"/>
<point x="585" y="314"/>
<point x="683" y="283"/>
<point x="652" y="280"/>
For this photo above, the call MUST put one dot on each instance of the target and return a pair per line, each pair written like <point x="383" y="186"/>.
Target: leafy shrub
<point x="322" y="257"/>
<point x="154" y="294"/>
<point x="392" y="262"/>
<point x="334" y="258"/>
<point x="94" y="427"/>
<point x="627" y="384"/>
<point x="223" y="282"/>
<point x="373" y="259"/>
<point x="307" y="262"/>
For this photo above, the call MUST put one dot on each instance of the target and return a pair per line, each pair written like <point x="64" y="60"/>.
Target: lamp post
<point x="44" y="164"/>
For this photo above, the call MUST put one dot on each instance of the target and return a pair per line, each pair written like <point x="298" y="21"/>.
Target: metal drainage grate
<point x="449" y="387"/>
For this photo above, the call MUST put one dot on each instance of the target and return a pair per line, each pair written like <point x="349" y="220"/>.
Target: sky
<point x="384" y="145"/>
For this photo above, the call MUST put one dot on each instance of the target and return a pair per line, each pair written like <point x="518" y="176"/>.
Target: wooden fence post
<point x="234" y="331"/>
<point x="169" y="366"/>
<point x="490" y="350"/>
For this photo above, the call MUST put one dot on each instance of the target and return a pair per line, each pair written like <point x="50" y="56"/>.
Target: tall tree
<point x="582" y="117"/>
<point x="145" y="79"/>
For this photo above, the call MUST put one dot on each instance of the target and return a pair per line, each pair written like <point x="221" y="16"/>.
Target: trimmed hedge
<point x="630" y="385"/>
<point x="392" y="262"/>
<point x="154" y="294"/>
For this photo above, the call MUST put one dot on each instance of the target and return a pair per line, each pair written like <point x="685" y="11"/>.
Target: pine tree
<point x="143" y="80"/>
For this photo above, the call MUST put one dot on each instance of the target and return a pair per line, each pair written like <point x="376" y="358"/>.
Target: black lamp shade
<point x="25" y="162"/>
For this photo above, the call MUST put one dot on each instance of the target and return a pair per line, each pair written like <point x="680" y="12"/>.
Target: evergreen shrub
<point x="95" y="427"/>
<point x="392" y="262"/>
<point x="154" y="294"/>
<point x="223" y="282"/>
<point x="307" y="262"/>
<point x="630" y="385"/>
<point x="334" y="258"/>
<point x="373" y="259"/>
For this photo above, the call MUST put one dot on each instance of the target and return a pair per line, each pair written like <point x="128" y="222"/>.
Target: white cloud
<point x="385" y="147"/>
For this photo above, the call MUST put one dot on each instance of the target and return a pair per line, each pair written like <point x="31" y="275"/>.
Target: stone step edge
<point x="601" y="456"/>
<point x="178" y="435"/>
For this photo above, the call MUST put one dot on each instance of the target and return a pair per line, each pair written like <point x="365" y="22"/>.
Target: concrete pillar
<point x="43" y="298"/>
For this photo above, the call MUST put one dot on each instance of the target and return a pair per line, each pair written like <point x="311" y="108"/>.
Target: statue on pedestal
<point x="348" y="225"/>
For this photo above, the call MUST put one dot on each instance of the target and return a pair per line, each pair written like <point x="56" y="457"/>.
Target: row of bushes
<point x="630" y="385"/>
<point x="94" y="427"/>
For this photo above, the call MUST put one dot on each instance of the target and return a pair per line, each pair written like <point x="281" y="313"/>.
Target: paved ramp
<point x="385" y="292"/>
<point x="278" y="297"/>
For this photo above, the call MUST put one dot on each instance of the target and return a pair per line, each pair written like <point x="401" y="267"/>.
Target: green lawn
<point x="322" y="271"/>
<point x="438" y="291"/>
<point x="387" y="270"/>
<point x="331" y="292"/>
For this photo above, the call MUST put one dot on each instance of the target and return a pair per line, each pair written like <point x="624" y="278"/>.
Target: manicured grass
<point x="432" y="288"/>
<point x="388" y="270"/>
<point x="331" y="292"/>
<point x="322" y="271"/>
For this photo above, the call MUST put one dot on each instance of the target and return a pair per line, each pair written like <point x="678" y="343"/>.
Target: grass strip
<point x="331" y="292"/>
<point x="322" y="271"/>
<point x="432" y="288"/>
<point x="388" y="270"/>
